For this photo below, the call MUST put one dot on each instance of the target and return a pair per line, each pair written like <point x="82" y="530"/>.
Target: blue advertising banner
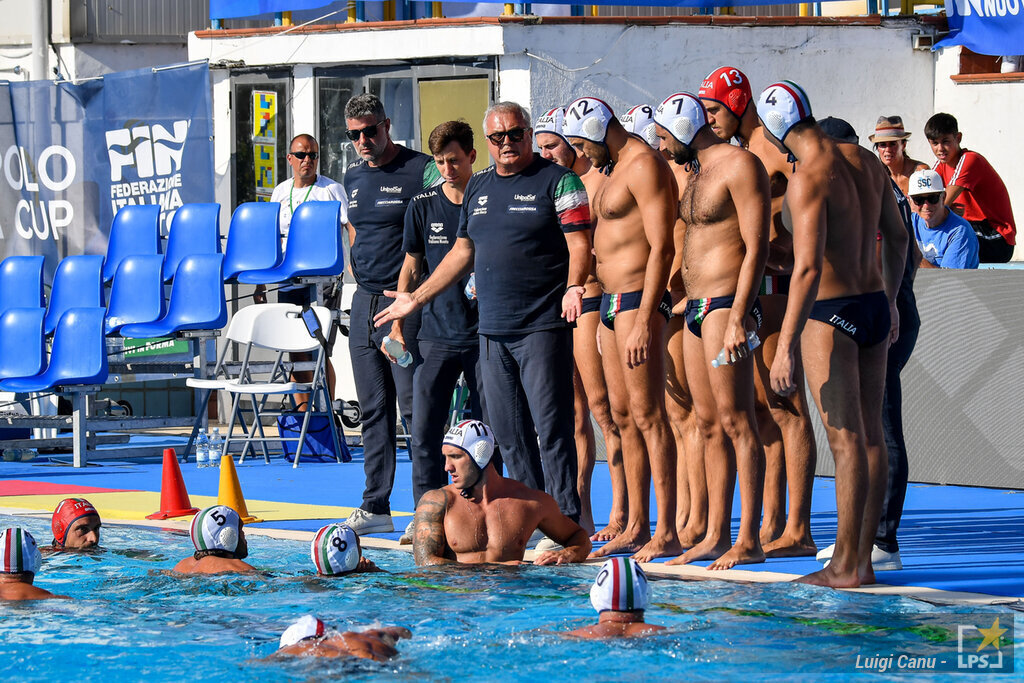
<point x="228" y="9"/>
<point x="73" y="154"/>
<point x="988" y="27"/>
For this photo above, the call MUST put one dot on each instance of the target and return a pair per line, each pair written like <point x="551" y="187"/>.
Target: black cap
<point x="839" y="129"/>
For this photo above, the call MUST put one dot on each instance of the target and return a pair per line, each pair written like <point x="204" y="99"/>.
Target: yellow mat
<point x="137" y="504"/>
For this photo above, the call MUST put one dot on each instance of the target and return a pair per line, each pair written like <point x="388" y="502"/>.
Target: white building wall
<point x="989" y="115"/>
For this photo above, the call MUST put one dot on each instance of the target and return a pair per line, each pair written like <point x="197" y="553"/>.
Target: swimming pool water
<point x="130" y="621"/>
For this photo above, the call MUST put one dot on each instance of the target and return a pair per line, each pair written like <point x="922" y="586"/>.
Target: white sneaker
<point x="406" y="537"/>
<point x="881" y="560"/>
<point x="545" y="544"/>
<point x="363" y="522"/>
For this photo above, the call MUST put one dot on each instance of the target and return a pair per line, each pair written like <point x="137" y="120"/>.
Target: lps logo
<point x="982" y="658"/>
<point x="150" y="150"/>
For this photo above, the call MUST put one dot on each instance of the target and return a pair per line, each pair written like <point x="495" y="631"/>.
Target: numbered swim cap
<point x="620" y="586"/>
<point x="473" y="437"/>
<point x="551" y="121"/>
<point x="20" y="552"/>
<point x="640" y="121"/>
<point x="729" y="87"/>
<point x="781" y="106"/>
<point x="216" y="528"/>
<point x="306" y="627"/>
<point x="69" y="511"/>
<point x="682" y="114"/>
<point x="335" y="550"/>
<point x="587" y="118"/>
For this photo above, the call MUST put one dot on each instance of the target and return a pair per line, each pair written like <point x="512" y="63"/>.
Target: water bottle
<point x="202" y="450"/>
<point x="216" y="445"/>
<point x="753" y="341"/>
<point x="398" y="350"/>
<point x="471" y="287"/>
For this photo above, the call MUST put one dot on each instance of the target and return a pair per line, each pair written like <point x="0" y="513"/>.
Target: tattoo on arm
<point x="429" y="545"/>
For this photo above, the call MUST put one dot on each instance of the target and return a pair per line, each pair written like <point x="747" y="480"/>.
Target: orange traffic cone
<point x="174" y="500"/>
<point x="230" y="491"/>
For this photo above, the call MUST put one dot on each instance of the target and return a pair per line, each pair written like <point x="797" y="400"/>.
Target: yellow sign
<point x="264" y="116"/>
<point x="265" y="163"/>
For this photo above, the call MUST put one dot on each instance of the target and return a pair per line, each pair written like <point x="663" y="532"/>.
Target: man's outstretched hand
<point x="403" y="306"/>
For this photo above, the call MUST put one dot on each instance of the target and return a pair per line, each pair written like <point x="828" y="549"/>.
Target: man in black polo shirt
<point x="379" y="188"/>
<point x="448" y="339"/>
<point x="525" y="230"/>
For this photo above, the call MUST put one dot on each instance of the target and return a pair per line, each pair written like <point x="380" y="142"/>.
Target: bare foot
<point x="831" y="578"/>
<point x="708" y="549"/>
<point x="787" y="546"/>
<point x="770" y="532"/>
<point x="608" y="533"/>
<point x="626" y="542"/>
<point x="690" y="536"/>
<point x="659" y="546"/>
<point x="739" y="554"/>
<point x="867" y="576"/>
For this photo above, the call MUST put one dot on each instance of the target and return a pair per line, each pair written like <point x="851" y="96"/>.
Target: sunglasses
<point x="888" y="143"/>
<point x="369" y="132"/>
<point x="513" y="134"/>
<point x="922" y="199"/>
<point x="301" y="156"/>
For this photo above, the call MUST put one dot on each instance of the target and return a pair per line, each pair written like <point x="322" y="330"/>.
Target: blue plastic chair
<point x="135" y="230"/>
<point x="196" y="303"/>
<point x="195" y="229"/>
<point x="21" y="282"/>
<point x="137" y="295"/>
<point x="22" y="343"/>
<point x="78" y="356"/>
<point x="314" y="246"/>
<point x="254" y="239"/>
<point x="78" y="283"/>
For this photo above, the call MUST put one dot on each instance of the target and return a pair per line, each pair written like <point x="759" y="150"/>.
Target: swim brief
<point x="775" y="284"/>
<point x="591" y="304"/>
<point x="613" y="304"/>
<point x="698" y="309"/>
<point x="864" y="318"/>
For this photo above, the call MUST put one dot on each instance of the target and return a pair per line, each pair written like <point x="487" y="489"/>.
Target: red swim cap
<point x="728" y="86"/>
<point x="67" y="513"/>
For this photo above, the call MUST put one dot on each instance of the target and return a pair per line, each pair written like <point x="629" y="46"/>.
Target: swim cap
<point x="306" y="627"/>
<point x="587" y="118"/>
<point x="335" y="550"/>
<point x="682" y="114"/>
<point x="20" y="552"/>
<point x="781" y="106"/>
<point x="69" y="511"/>
<point x="620" y="586"/>
<point x="216" y="528"/>
<point x="729" y="87"/>
<point x="640" y="121"/>
<point x="551" y="121"/>
<point x="473" y="437"/>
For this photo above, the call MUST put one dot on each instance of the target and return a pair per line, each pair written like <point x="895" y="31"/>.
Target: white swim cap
<point x="335" y="550"/>
<point x="473" y="437"/>
<point x="587" y="118"/>
<point x="620" y="586"/>
<point x="550" y="121"/>
<point x="925" y="182"/>
<point x="682" y="114"/>
<point x="216" y="528"/>
<point x="306" y="627"/>
<point x="781" y="106"/>
<point x="20" y="552"/>
<point x="640" y="121"/>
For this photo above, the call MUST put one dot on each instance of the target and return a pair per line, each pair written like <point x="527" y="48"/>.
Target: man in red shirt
<point x="973" y="190"/>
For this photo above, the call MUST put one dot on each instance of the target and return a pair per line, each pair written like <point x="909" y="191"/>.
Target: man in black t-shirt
<point x="525" y="231"/>
<point x="379" y="187"/>
<point x="448" y="340"/>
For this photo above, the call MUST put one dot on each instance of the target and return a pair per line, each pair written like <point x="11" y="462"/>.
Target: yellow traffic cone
<point x="230" y="491"/>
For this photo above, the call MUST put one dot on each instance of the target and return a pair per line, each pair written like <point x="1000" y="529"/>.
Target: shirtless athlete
<point x="842" y="310"/>
<point x="635" y="210"/>
<point x="725" y="207"/>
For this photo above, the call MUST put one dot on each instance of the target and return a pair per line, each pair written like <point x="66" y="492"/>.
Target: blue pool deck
<point x="957" y="540"/>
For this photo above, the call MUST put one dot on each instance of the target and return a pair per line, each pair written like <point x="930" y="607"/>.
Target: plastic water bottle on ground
<point x="398" y="350"/>
<point x="753" y="341"/>
<point x="216" y="446"/>
<point x="202" y="449"/>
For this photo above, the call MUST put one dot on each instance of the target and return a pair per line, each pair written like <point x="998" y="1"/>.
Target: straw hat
<point x="889" y="128"/>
